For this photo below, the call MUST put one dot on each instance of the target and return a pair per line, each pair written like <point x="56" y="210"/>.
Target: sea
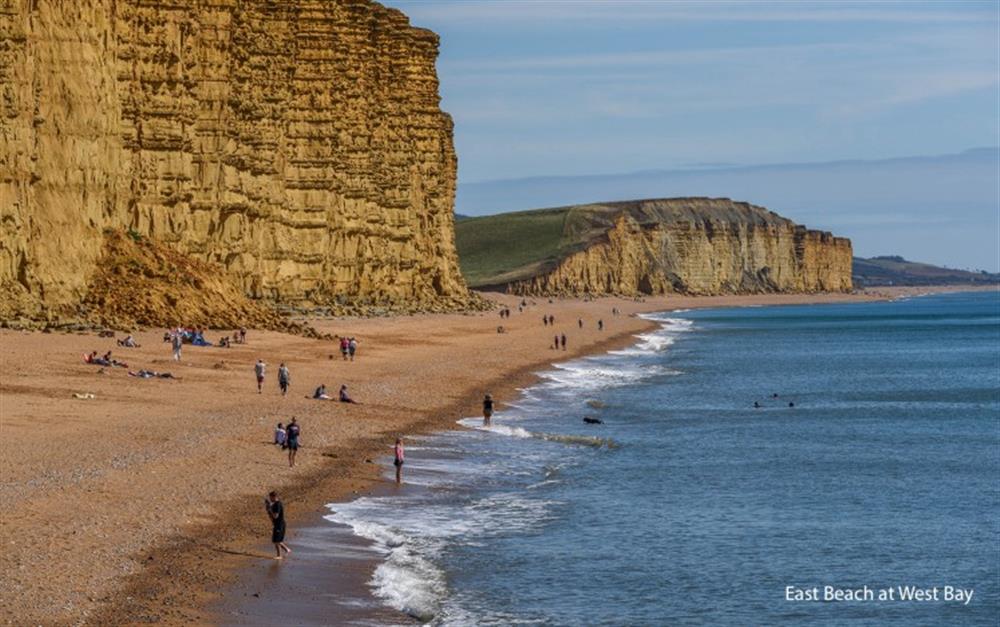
<point x="812" y="464"/>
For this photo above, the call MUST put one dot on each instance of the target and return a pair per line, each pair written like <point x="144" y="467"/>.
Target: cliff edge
<point x="645" y="247"/>
<point x="299" y="146"/>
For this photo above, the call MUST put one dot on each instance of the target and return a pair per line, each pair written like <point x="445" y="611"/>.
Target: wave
<point x="594" y="375"/>
<point x="521" y="432"/>
<point x="412" y="535"/>
<point x="659" y="340"/>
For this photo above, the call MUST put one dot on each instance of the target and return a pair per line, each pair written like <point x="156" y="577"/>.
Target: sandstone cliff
<point x="298" y="145"/>
<point x="684" y="245"/>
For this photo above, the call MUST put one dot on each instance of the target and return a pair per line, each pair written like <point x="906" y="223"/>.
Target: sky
<point x="585" y="88"/>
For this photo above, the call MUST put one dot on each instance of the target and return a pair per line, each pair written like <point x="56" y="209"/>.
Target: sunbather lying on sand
<point x="107" y="360"/>
<point x="92" y="358"/>
<point x="128" y="342"/>
<point x="151" y="374"/>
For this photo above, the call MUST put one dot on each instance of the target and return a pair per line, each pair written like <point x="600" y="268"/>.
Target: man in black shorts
<point x="276" y="512"/>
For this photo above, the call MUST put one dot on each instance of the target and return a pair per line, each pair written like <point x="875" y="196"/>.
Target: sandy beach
<point x="139" y="504"/>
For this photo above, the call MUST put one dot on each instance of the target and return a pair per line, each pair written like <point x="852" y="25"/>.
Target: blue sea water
<point x="690" y="506"/>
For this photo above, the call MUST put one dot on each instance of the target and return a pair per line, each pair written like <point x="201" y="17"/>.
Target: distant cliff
<point x="298" y="146"/>
<point x="677" y="245"/>
<point x="894" y="270"/>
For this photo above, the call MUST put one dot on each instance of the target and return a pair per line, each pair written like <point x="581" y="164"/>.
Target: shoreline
<point x="242" y="602"/>
<point x="177" y="574"/>
<point x="310" y="503"/>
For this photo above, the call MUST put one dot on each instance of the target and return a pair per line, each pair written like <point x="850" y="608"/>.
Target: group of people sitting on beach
<point x="193" y="336"/>
<point x="238" y="337"/>
<point x="321" y="395"/>
<point x="196" y="337"/>
<point x="106" y="360"/>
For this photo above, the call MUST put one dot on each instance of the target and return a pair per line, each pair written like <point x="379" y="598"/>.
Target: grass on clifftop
<point x="510" y="246"/>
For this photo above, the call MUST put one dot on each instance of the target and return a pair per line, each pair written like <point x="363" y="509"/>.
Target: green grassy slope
<point x="511" y="243"/>
<point x="497" y="249"/>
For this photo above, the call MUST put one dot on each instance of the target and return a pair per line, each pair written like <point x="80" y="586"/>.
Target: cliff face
<point x="299" y="145"/>
<point x="693" y="246"/>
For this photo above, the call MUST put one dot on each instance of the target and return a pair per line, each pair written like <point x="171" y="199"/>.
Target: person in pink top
<point x="400" y="458"/>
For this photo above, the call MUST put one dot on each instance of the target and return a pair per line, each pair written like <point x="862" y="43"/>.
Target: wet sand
<point x="143" y="503"/>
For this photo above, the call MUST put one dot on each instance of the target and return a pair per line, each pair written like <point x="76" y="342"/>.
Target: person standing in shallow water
<point x="400" y="457"/>
<point x="284" y="378"/>
<point x="276" y="512"/>
<point x="487" y="409"/>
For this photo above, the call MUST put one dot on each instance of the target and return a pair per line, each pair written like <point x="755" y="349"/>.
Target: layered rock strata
<point x="692" y="246"/>
<point x="299" y="145"/>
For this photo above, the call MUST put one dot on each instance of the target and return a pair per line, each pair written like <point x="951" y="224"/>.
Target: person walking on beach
<point x="579" y="322"/>
<point x="176" y="341"/>
<point x="284" y="378"/>
<point x="555" y="343"/>
<point x="600" y="325"/>
<point x="562" y="340"/>
<point x="345" y="346"/>
<point x="399" y="459"/>
<point x="258" y="370"/>
<point x="292" y="434"/>
<point x="276" y="512"/>
<point x="352" y="347"/>
<point x="487" y="409"/>
<point x="545" y="319"/>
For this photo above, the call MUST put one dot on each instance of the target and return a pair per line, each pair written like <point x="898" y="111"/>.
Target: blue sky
<point x="541" y="88"/>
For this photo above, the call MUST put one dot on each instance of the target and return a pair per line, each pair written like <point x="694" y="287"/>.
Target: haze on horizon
<point x="589" y="88"/>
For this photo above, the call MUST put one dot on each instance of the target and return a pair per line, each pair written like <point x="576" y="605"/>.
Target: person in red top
<point x="398" y="461"/>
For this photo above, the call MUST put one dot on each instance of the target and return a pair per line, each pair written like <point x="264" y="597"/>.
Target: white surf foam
<point x="589" y="375"/>
<point x="412" y="532"/>
<point x="411" y="535"/>
<point x="405" y="579"/>
<point x="520" y="432"/>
